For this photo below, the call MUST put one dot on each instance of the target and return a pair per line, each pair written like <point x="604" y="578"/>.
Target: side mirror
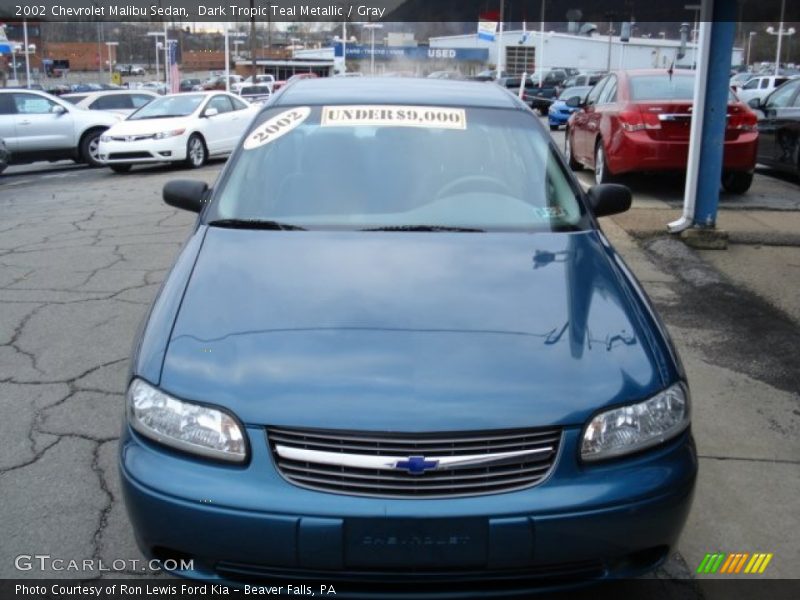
<point x="609" y="199"/>
<point x="58" y="110"/>
<point x="210" y="112"/>
<point x="574" y="102"/>
<point x="755" y="103"/>
<point x="186" y="194"/>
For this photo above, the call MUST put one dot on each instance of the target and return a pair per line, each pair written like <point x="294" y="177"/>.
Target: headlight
<point x="192" y="428"/>
<point x="631" y="428"/>
<point x="165" y="134"/>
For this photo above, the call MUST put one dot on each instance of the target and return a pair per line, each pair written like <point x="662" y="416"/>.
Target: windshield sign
<point x="403" y="168"/>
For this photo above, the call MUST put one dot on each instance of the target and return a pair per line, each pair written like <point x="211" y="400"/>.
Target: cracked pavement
<point x="82" y="253"/>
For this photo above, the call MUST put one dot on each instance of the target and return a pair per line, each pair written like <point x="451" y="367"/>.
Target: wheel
<point x="90" y="148"/>
<point x="120" y="168"/>
<point x="737" y="182"/>
<point x="196" y="153"/>
<point x="472" y="182"/>
<point x="573" y="164"/>
<point x="601" y="171"/>
<point x="553" y="127"/>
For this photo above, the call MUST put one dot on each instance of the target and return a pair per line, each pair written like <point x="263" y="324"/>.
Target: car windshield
<point x="645" y="88"/>
<point x="399" y="167"/>
<point x="255" y="90"/>
<point x="169" y="106"/>
<point x="73" y="99"/>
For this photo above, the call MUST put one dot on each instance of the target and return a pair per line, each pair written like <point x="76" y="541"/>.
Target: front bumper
<point x="558" y="118"/>
<point x="247" y="523"/>
<point x="143" y="151"/>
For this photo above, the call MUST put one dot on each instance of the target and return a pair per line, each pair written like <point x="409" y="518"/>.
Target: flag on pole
<point x="174" y="72"/>
<point x="487" y="25"/>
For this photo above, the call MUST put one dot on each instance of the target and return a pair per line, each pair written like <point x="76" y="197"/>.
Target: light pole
<point x="110" y="66"/>
<point x="696" y="9"/>
<point x="780" y="33"/>
<point x="227" y="59"/>
<point x="540" y="59"/>
<point x="500" y="48"/>
<point x="749" y="41"/>
<point x="14" y="49"/>
<point x="27" y="54"/>
<point x="155" y="35"/>
<point x="166" y="60"/>
<point x="372" y="27"/>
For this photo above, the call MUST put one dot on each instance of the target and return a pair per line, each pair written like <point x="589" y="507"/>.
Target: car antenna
<point x="671" y="69"/>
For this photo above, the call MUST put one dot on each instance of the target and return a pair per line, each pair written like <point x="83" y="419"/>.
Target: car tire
<point x="120" y="168"/>
<point x="196" y="152"/>
<point x="89" y="147"/>
<point x="573" y="164"/>
<point x="737" y="182"/>
<point x="553" y="127"/>
<point x="601" y="172"/>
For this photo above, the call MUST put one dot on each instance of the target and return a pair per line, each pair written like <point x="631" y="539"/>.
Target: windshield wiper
<point x="255" y="224"/>
<point x="425" y="228"/>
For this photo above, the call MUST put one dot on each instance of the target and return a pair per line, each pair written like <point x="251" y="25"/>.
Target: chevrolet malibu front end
<point x="418" y="370"/>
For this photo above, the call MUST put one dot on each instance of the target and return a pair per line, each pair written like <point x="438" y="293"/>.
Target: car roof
<point x="388" y="90"/>
<point x="99" y="94"/>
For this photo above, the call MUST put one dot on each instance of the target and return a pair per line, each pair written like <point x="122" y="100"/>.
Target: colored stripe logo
<point x="735" y="563"/>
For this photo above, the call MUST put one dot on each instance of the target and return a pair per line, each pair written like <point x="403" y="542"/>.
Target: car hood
<point x="408" y="331"/>
<point x="148" y="126"/>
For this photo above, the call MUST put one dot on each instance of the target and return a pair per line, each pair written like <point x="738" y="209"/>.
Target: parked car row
<point x="122" y="128"/>
<point x="541" y="94"/>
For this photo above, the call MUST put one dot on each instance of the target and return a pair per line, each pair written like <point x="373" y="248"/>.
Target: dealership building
<point x="526" y="51"/>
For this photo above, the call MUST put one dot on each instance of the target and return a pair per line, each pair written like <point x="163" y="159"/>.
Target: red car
<point x="639" y="121"/>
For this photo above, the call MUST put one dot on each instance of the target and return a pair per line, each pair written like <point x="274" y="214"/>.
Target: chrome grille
<point x="132" y="138"/>
<point x="399" y="465"/>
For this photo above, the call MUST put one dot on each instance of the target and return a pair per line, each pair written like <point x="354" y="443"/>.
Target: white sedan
<point x="186" y="128"/>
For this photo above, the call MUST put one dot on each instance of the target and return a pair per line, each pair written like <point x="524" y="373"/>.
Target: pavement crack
<point x="779" y="461"/>
<point x="33" y="460"/>
<point x="106" y="510"/>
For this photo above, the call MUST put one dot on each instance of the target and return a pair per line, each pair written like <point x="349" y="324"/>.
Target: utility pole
<point x="253" y="39"/>
<point x="540" y="59"/>
<point x="500" y="58"/>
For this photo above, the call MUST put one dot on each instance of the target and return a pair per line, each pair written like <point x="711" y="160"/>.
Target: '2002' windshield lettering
<point x="277" y="126"/>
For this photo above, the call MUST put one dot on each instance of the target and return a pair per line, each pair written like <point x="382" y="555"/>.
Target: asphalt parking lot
<point x="82" y="253"/>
